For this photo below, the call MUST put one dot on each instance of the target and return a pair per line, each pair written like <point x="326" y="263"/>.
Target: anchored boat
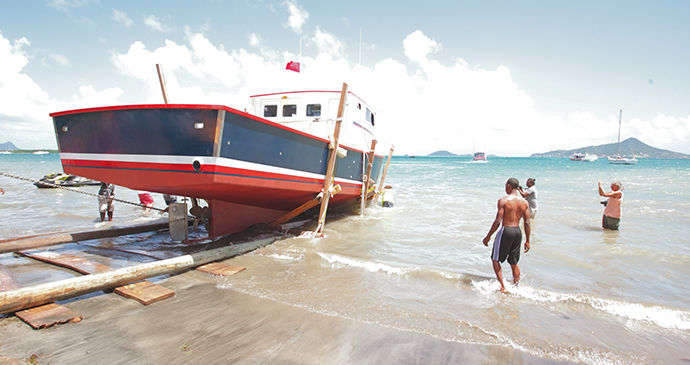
<point x="250" y="167"/>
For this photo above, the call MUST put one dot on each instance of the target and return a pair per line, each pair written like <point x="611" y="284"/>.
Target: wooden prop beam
<point x="385" y="169"/>
<point x="299" y="210"/>
<point x="330" y="170"/>
<point x="28" y="297"/>
<point x="366" y="181"/>
<point x="20" y="244"/>
<point x="161" y="79"/>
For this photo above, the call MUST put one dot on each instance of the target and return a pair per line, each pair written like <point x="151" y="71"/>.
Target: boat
<point x="618" y="159"/>
<point x="62" y="179"/>
<point x="249" y="166"/>
<point x="478" y="156"/>
<point x="577" y="156"/>
<point x="586" y="157"/>
<point x="41" y="153"/>
<point x="5" y="152"/>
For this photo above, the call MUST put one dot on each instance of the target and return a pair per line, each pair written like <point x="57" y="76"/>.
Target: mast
<point x="620" y="117"/>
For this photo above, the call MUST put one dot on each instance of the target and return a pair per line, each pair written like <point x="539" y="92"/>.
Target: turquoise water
<point x="586" y="296"/>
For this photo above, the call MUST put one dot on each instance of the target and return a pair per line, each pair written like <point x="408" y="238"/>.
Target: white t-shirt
<point x="532" y="197"/>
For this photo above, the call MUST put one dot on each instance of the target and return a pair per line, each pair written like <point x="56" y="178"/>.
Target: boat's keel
<point x="227" y="218"/>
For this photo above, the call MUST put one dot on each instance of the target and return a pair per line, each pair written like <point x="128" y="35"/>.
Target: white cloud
<point x="417" y="46"/>
<point x="25" y="107"/>
<point x="62" y="60"/>
<point x="66" y="4"/>
<point x="327" y="43"/>
<point x="122" y="18"/>
<point x="259" y="42"/>
<point x="154" y="23"/>
<point x="298" y="16"/>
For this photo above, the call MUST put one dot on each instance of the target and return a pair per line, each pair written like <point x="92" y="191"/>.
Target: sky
<point x="512" y="78"/>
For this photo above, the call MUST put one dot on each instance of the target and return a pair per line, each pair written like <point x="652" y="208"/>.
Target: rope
<point x="76" y="191"/>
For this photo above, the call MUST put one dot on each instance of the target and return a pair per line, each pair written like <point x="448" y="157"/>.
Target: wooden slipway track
<point x="36" y="305"/>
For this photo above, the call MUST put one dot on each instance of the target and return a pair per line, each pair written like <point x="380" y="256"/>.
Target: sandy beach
<point x="203" y="324"/>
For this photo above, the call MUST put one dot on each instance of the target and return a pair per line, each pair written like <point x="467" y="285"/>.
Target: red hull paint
<point x="243" y="217"/>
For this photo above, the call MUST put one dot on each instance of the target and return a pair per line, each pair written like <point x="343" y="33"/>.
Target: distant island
<point x="442" y="153"/>
<point x="8" y="146"/>
<point x="629" y="147"/>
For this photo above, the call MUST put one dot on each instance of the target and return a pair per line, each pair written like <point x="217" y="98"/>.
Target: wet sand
<point x="202" y="324"/>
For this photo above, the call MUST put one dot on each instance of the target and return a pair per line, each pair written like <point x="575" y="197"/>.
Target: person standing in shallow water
<point x="511" y="209"/>
<point x="106" y="195"/>
<point x="612" y="207"/>
<point x="530" y="194"/>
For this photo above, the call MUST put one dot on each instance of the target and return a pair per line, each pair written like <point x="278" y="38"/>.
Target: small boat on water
<point x="618" y="159"/>
<point x="586" y="157"/>
<point x="41" y="153"/>
<point x="5" y="152"/>
<point x="250" y="166"/>
<point x="479" y="157"/>
<point x="62" y="179"/>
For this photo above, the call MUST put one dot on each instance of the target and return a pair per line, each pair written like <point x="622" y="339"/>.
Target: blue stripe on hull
<point x="247" y="140"/>
<point x="138" y="131"/>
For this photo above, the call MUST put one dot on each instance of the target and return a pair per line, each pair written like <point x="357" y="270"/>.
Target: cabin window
<point x="270" y="111"/>
<point x="313" y="110"/>
<point x="289" y="110"/>
<point x="370" y="116"/>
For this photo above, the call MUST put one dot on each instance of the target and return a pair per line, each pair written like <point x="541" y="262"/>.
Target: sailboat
<point x="618" y="159"/>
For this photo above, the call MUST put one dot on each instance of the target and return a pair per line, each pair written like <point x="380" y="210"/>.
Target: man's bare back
<point x="514" y="207"/>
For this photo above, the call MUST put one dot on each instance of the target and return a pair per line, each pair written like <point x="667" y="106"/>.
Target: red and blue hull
<point x="250" y="170"/>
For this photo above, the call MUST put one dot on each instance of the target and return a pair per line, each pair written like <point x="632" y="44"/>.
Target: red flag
<point x="292" y="66"/>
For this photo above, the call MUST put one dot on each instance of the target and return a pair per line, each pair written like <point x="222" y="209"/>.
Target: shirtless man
<point x="507" y="244"/>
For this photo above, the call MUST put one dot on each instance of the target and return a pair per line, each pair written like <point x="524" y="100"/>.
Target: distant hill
<point x="442" y="153"/>
<point x="629" y="147"/>
<point x="8" y="146"/>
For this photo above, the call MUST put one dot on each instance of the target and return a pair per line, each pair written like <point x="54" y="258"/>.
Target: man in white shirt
<point x="530" y="194"/>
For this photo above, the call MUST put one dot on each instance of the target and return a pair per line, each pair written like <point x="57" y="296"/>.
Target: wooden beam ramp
<point x="128" y="282"/>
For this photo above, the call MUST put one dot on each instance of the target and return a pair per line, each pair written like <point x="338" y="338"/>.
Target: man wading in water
<point x="507" y="244"/>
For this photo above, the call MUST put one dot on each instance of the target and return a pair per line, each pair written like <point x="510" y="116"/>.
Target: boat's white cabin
<point x="314" y="112"/>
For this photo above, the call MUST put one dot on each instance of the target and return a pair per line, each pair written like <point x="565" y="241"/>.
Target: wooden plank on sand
<point x="78" y="264"/>
<point x="145" y="292"/>
<point x="216" y="268"/>
<point x="48" y="315"/>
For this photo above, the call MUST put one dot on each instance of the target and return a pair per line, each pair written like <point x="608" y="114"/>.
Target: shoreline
<point x="204" y="324"/>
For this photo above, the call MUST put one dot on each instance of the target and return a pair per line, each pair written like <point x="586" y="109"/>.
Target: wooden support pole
<point x="297" y="211"/>
<point x="366" y="180"/>
<point x="385" y="169"/>
<point x="330" y="169"/>
<point x="20" y="244"/>
<point x="161" y="79"/>
<point x="308" y="205"/>
<point x="32" y="296"/>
